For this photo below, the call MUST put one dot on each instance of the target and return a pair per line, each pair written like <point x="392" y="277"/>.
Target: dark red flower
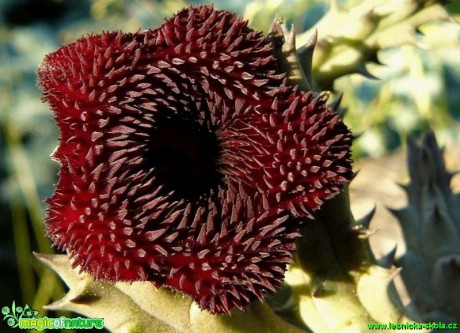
<point x="185" y="157"/>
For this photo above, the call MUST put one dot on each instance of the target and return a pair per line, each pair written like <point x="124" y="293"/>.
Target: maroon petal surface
<point x="186" y="159"/>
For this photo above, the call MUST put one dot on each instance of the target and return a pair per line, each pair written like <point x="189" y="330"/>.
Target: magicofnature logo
<point x="25" y="318"/>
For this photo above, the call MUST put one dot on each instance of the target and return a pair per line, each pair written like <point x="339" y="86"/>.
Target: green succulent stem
<point x="336" y="275"/>
<point x="431" y="228"/>
<point x="349" y="39"/>
<point x="284" y="43"/>
<point x="140" y="307"/>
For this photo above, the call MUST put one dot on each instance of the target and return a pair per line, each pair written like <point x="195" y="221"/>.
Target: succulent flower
<point x="186" y="158"/>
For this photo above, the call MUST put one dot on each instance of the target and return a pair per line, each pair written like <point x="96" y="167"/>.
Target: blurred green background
<point x="419" y="88"/>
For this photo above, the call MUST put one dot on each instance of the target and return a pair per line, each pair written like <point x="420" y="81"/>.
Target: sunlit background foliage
<point x="419" y="87"/>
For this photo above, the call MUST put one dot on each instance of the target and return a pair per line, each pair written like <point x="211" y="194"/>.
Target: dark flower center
<point x="185" y="155"/>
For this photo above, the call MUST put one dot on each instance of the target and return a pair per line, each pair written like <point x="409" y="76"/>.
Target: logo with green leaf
<point x="15" y="313"/>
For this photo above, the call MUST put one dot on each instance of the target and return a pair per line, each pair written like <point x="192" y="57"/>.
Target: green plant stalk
<point x="27" y="184"/>
<point x="23" y="252"/>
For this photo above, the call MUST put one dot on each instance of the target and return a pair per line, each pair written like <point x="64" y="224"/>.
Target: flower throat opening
<point x="185" y="156"/>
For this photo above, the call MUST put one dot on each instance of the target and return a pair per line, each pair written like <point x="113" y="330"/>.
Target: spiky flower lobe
<point x="186" y="158"/>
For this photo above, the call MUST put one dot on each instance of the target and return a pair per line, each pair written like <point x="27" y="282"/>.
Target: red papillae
<point x="282" y="152"/>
